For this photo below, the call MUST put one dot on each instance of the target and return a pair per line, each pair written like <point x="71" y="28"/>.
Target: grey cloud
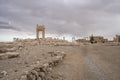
<point x="6" y="25"/>
<point x="77" y="17"/>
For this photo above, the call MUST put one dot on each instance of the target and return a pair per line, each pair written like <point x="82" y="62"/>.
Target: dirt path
<point x="90" y="63"/>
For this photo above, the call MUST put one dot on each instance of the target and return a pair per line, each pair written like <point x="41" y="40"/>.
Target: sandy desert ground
<point x="82" y="62"/>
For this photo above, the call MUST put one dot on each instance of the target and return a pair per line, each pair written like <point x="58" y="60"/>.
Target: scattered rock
<point x="23" y="77"/>
<point x="25" y="72"/>
<point x="16" y="70"/>
<point x="3" y="56"/>
<point x="11" y="49"/>
<point x="53" y="54"/>
<point x="25" y="62"/>
<point x="12" y="54"/>
<point x="3" y="74"/>
<point x="37" y="62"/>
<point x="41" y="72"/>
<point x="9" y="55"/>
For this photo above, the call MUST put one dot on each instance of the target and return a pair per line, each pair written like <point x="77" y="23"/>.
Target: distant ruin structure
<point x="82" y="40"/>
<point x="117" y="38"/>
<point x="97" y="39"/>
<point x="40" y="28"/>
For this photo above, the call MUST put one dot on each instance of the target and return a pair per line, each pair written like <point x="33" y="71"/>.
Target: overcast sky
<point x="79" y="18"/>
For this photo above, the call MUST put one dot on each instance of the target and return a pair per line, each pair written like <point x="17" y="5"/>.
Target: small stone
<point x="25" y="72"/>
<point x="49" y="69"/>
<point x="32" y="75"/>
<point x="42" y="74"/>
<point x="12" y="54"/>
<point x="39" y="78"/>
<point x="35" y="56"/>
<point x="62" y="52"/>
<point x="25" y="62"/>
<point x="37" y="62"/>
<point x="16" y="70"/>
<point x="20" y="48"/>
<point x="58" y="51"/>
<point x="23" y="77"/>
<point x="3" y="73"/>
<point x="46" y="65"/>
<point x="27" y="66"/>
<point x="3" y="56"/>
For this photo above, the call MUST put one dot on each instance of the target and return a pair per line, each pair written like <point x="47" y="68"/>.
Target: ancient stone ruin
<point x="42" y="71"/>
<point x="116" y="38"/>
<point x="40" y="28"/>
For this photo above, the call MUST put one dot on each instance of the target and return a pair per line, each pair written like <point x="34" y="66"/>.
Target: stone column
<point x="37" y="32"/>
<point x="43" y="34"/>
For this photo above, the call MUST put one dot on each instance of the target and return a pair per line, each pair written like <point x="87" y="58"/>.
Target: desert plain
<point x="30" y="60"/>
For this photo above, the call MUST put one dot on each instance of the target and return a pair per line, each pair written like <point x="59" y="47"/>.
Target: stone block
<point x="8" y="55"/>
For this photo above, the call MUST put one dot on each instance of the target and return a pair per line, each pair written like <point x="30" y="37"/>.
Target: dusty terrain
<point x="91" y="62"/>
<point x="84" y="62"/>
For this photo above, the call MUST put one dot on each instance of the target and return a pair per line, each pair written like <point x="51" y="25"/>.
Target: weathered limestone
<point x="3" y="73"/>
<point x="12" y="54"/>
<point x="40" y="28"/>
<point x="42" y="71"/>
<point x="3" y="50"/>
<point x="98" y="39"/>
<point x="8" y="55"/>
<point x="9" y="50"/>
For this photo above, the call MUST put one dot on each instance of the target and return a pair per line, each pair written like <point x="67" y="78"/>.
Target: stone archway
<point x="40" y="28"/>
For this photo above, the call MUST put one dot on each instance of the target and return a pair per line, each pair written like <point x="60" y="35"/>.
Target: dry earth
<point x="84" y="62"/>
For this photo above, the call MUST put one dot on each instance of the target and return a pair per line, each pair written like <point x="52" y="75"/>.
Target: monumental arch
<point x="40" y="28"/>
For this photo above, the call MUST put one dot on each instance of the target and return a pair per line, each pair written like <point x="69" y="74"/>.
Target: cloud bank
<point x="62" y="17"/>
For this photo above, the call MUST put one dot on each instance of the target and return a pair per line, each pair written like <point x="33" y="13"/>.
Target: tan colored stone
<point x="40" y="28"/>
<point x="12" y="54"/>
<point x="8" y="55"/>
<point x="3" y="56"/>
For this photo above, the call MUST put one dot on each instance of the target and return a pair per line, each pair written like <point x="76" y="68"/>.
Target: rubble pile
<point x="47" y="41"/>
<point x="112" y="44"/>
<point x="42" y="71"/>
<point x="66" y="44"/>
<point x="8" y="50"/>
<point x="28" y="42"/>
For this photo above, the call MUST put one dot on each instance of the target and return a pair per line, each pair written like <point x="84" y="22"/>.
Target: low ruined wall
<point x="8" y="50"/>
<point x="42" y="71"/>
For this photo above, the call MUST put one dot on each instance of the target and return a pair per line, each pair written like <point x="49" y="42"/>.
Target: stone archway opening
<point x="40" y="28"/>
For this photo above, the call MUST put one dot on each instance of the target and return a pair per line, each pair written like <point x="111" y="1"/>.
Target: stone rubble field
<point x="30" y="60"/>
